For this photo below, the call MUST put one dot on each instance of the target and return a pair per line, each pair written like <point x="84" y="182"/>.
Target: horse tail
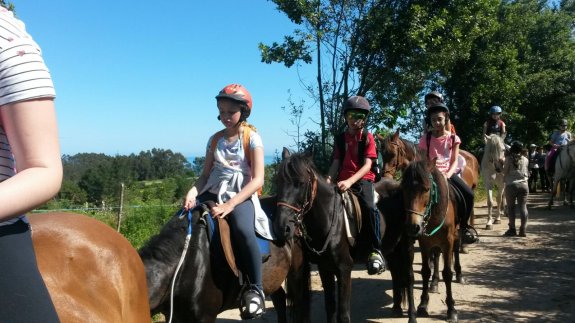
<point x="298" y="288"/>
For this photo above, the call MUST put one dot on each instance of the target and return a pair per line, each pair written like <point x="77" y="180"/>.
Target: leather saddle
<point x="353" y="220"/>
<point x="223" y="227"/>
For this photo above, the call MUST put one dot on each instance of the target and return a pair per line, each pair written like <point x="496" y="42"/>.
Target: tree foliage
<point x="98" y="177"/>
<point x="516" y="54"/>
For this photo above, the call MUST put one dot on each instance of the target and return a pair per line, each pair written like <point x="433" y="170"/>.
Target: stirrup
<point x="375" y="263"/>
<point x="470" y="235"/>
<point x="252" y="304"/>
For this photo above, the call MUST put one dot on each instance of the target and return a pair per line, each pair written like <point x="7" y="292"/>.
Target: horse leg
<point x="553" y="192"/>
<point x="433" y="286"/>
<point x="328" y="284"/>
<point x="447" y="278"/>
<point x="489" y="225"/>
<point x="457" y="264"/>
<point x="500" y="202"/>
<point x="279" y="299"/>
<point x="425" y="274"/>
<point x="344" y="290"/>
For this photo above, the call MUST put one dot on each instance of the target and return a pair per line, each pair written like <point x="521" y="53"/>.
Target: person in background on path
<point x="231" y="177"/>
<point x="30" y="169"/>
<point x="515" y="174"/>
<point x="352" y="170"/>
<point x="494" y="124"/>
<point x="533" y="157"/>
<point x="541" y="156"/>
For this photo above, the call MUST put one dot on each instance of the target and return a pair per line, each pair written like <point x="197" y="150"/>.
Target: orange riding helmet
<point x="238" y="93"/>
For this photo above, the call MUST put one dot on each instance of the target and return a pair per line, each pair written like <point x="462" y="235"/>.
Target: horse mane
<point x="493" y="141"/>
<point x="168" y="244"/>
<point x="417" y="172"/>
<point x="295" y="168"/>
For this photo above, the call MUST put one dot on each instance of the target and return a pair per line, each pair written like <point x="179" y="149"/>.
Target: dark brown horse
<point x="431" y="208"/>
<point x="312" y="209"/>
<point x="92" y="272"/>
<point x="205" y="285"/>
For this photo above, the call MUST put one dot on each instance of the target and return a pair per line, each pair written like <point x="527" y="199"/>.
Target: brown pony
<point x="92" y="272"/>
<point x="431" y="218"/>
<point x="397" y="153"/>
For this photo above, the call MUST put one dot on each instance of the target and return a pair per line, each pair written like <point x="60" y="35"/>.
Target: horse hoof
<point x="397" y="311"/>
<point x="488" y="227"/>
<point x="498" y="221"/>
<point x="412" y="320"/>
<point x="460" y="279"/>
<point x="433" y="289"/>
<point x="464" y="250"/>
<point x="422" y="312"/>
<point x="452" y="317"/>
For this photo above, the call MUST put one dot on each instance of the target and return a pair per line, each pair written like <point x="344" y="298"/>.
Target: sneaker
<point x="375" y="263"/>
<point x="470" y="235"/>
<point x="510" y="233"/>
<point x="252" y="304"/>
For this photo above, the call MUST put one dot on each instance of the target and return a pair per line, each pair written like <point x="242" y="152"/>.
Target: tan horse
<point x="92" y="272"/>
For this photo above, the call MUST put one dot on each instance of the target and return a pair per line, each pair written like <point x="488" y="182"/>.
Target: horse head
<point x="296" y="188"/>
<point x="391" y="149"/>
<point x="494" y="152"/>
<point x="422" y="185"/>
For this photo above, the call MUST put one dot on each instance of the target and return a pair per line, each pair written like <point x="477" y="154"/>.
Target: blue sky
<point x="137" y="75"/>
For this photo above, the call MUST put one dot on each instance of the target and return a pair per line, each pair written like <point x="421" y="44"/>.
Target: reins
<point x="433" y="200"/>
<point x="306" y="207"/>
<point x="182" y="257"/>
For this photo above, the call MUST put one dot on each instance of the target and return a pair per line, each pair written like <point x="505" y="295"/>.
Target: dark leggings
<point x="244" y="240"/>
<point x="467" y="197"/>
<point x="23" y="294"/>
<point x="363" y="189"/>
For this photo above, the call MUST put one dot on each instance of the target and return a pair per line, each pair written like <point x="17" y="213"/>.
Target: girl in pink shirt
<point x="442" y="145"/>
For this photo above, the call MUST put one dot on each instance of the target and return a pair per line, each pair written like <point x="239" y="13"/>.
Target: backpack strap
<point x="215" y="138"/>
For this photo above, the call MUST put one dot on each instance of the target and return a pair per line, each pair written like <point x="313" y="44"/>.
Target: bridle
<point x="401" y="155"/>
<point x="311" y="190"/>
<point x="299" y="211"/>
<point x="426" y="215"/>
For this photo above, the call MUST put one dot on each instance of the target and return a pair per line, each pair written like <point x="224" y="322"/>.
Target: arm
<point x="485" y="137"/>
<point x="190" y="200"/>
<point x="503" y="130"/>
<point x="32" y="131"/>
<point x="332" y="172"/>
<point x="346" y="184"/>
<point x="453" y="160"/>
<point x="257" y="181"/>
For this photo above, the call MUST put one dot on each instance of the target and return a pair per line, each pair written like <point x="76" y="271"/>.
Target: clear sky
<point x="136" y="75"/>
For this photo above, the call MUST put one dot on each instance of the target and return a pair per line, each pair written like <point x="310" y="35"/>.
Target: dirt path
<point x="514" y="279"/>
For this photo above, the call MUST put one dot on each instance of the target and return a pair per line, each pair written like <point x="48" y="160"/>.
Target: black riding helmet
<point x="516" y="147"/>
<point x="438" y="107"/>
<point x="434" y="94"/>
<point x="357" y="103"/>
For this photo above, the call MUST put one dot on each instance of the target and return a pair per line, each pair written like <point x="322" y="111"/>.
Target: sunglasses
<point x="357" y="115"/>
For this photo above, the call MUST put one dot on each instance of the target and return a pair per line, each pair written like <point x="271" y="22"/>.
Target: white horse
<point x="492" y="174"/>
<point x="564" y="171"/>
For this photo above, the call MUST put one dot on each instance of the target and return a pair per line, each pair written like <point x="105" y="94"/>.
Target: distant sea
<point x="267" y="159"/>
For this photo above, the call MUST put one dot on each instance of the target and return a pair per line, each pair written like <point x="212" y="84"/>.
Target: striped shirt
<point x="23" y="76"/>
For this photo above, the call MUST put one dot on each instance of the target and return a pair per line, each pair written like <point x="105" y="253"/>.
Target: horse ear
<point x="285" y="153"/>
<point x="396" y="134"/>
